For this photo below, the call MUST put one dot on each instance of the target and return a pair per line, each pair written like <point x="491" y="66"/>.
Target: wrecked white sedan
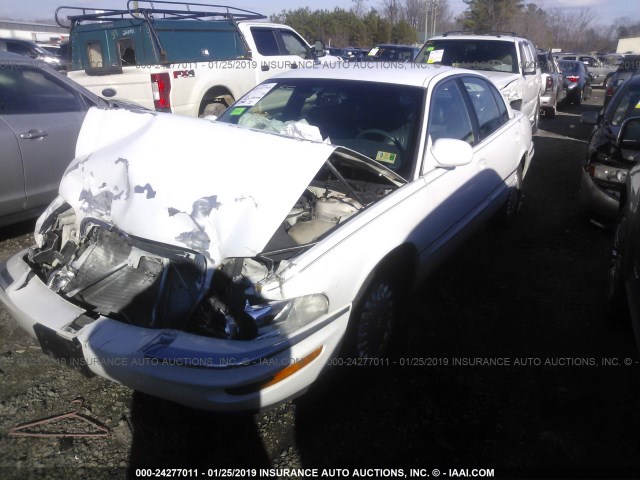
<point x="222" y="265"/>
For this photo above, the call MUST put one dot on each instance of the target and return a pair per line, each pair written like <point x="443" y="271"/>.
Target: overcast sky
<point x="606" y="10"/>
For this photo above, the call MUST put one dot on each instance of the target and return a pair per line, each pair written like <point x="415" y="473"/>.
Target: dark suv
<point x="628" y="67"/>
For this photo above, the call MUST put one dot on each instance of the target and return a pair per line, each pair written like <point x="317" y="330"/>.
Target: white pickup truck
<point x="189" y="59"/>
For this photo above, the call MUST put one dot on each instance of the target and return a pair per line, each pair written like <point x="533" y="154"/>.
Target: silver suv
<point x="508" y="60"/>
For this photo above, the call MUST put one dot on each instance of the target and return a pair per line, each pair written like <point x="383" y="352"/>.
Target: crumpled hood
<point x="501" y="79"/>
<point x="211" y="187"/>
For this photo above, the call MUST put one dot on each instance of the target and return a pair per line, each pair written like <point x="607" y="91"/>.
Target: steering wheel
<point x="381" y="133"/>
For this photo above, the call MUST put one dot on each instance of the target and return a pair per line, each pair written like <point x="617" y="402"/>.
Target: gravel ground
<point x="532" y="293"/>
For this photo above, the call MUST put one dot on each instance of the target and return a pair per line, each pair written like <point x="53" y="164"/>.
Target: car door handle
<point x="33" y="134"/>
<point x="264" y="67"/>
<point x="482" y="164"/>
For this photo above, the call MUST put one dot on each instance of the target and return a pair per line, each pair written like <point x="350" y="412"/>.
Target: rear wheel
<point x="550" y="112"/>
<point x="216" y="109"/>
<point x="512" y="205"/>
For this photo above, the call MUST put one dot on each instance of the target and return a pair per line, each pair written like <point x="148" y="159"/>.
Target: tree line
<point x="406" y="21"/>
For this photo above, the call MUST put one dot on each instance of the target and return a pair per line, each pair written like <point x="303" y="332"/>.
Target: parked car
<point x="170" y="62"/>
<point x="623" y="280"/>
<point x="509" y="61"/>
<point x="391" y="53"/>
<point x="60" y="51"/>
<point x="553" y="84"/>
<point x="41" y="113"/>
<point x="629" y="66"/>
<point x="576" y="79"/>
<point x="607" y="163"/>
<point x="33" y="51"/>
<point x="229" y="278"/>
<point x="600" y="71"/>
<point x="349" y="54"/>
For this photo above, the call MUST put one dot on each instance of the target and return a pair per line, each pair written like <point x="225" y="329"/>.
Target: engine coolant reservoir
<point x="328" y="212"/>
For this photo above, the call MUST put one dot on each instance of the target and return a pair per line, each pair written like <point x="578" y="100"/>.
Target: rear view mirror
<point x="629" y="136"/>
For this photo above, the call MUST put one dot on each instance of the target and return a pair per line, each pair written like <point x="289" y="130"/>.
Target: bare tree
<point x="359" y="7"/>
<point x="414" y="13"/>
<point x="391" y="10"/>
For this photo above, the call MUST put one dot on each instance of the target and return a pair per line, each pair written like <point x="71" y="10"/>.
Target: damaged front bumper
<point x="194" y="370"/>
<point x="601" y="200"/>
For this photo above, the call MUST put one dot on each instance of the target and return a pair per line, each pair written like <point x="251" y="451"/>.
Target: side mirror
<point x="319" y="48"/>
<point x="109" y="92"/>
<point x="590" y="118"/>
<point x="629" y="135"/>
<point x="450" y="153"/>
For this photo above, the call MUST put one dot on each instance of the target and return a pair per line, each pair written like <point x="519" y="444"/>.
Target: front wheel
<point x="514" y="200"/>
<point x="373" y="319"/>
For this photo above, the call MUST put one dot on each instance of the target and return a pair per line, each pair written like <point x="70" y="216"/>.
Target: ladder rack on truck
<point x="149" y="14"/>
<point x="134" y="10"/>
<point x="187" y="58"/>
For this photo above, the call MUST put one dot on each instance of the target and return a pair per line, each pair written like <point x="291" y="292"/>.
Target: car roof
<point x="394" y="45"/>
<point x="15" y="58"/>
<point x="508" y="37"/>
<point x="18" y="40"/>
<point x="412" y="74"/>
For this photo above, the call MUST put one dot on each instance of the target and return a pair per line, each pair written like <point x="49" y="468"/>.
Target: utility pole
<point x="431" y="11"/>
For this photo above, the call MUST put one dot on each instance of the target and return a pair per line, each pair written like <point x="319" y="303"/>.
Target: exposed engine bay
<point x="94" y="265"/>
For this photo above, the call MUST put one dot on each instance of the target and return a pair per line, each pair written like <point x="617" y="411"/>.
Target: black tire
<point x="550" y="112"/>
<point x="578" y="100"/>
<point x="514" y="201"/>
<point x="374" y="317"/>
<point x="615" y="294"/>
<point x="536" y="119"/>
<point x="216" y="108"/>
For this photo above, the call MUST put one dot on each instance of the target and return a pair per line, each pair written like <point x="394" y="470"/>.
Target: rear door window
<point x="266" y="41"/>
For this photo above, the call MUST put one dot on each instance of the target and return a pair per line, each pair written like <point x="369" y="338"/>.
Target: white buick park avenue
<point x="224" y="264"/>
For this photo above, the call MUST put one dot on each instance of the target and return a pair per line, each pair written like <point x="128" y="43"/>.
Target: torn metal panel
<point x="210" y="176"/>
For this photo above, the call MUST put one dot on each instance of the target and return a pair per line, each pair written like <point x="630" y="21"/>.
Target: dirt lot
<point x="561" y="404"/>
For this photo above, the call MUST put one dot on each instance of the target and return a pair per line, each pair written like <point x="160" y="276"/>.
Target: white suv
<point x="508" y="60"/>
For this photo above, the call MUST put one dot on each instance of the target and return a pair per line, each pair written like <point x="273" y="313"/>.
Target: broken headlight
<point x="283" y="317"/>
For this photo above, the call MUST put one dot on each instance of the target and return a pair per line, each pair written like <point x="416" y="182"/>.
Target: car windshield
<point x="379" y="120"/>
<point x="390" y="53"/>
<point x="475" y="54"/>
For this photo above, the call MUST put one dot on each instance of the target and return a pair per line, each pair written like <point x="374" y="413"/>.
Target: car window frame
<point x="284" y="50"/>
<point x="83" y="102"/>
<point x="503" y="114"/>
<point x="465" y="102"/>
